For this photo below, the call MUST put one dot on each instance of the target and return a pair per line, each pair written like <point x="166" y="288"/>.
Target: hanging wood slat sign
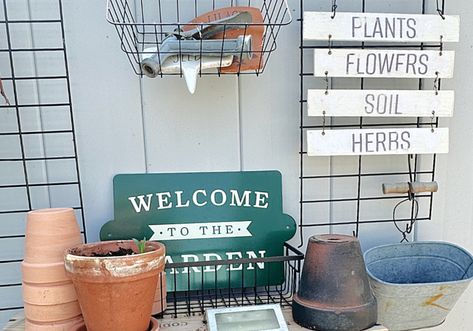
<point x="377" y="141"/>
<point x="383" y="63"/>
<point x="380" y="103"/>
<point x="381" y="27"/>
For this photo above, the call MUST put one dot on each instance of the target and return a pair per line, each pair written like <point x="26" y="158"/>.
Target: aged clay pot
<point x="334" y="292"/>
<point x="159" y="304"/>
<point x="49" y="297"/>
<point x="115" y="292"/>
<point x="153" y="326"/>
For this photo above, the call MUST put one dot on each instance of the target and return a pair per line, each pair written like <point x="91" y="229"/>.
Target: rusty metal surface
<point x="334" y="292"/>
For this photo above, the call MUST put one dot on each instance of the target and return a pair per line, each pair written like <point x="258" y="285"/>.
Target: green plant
<point x="141" y="244"/>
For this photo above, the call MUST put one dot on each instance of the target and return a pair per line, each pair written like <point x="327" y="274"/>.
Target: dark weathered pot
<point x="115" y="292"/>
<point x="334" y="292"/>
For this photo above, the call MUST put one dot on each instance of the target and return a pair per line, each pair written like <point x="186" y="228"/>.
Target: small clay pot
<point x="334" y="292"/>
<point x="116" y="293"/>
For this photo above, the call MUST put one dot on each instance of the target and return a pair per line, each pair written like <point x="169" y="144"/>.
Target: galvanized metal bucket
<point x="417" y="284"/>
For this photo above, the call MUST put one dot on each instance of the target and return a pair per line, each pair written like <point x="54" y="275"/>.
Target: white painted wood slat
<point x="380" y="103"/>
<point x="377" y="141"/>
<point x="381" y="27"/>
<point x="383" y="63"/>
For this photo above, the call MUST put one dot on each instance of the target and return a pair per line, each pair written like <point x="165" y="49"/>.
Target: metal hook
<point x="329" y="44"/>
<point x="326" y="82"/>
<point x="432" y="118"/>
<point x="334" y="8"/>
<point x="413" y="219"/>
<point x="441" y="45"/>
<point x="323" y="123"/>
<point x="436" y="83"/>
<point x="440" y="11"/>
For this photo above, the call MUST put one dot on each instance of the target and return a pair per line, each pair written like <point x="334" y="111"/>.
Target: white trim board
<point x="380" y="27"/>
<point x="378" y="63"/>
<point x="380" y="103"/>
<point x="377" y="141"/>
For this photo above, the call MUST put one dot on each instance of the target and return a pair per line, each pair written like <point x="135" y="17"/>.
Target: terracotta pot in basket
<point x="49" y="297"/>
<point x="115" y="292"/>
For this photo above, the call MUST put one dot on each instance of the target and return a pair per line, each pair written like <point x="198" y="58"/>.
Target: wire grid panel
<point x="343" y="194"/>
<point x="38" y="153"/>
<point x="185" y="303"/>
<point x="143" y="25"/>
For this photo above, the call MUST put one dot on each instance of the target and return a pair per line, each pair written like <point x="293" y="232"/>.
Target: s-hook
<point x="441" y="11"/>
<point x="334" y="8"/>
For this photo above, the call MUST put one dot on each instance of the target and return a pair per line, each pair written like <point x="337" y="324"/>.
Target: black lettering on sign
<point x="380" y="139"/>
<point x="383" y="27"/>
<point x="378" y="142"/>
<point x="371" y="63"/>
<point x="355" y="24"/>
<point x="349" y="62"/>
<point x="411" y="62"/>
<point x="382" y="103"/>
<point x="356" y="144"/>
<point x="369" y="99"/>
<point x="386" y="63"/>
<point x="411" y="30"/>
<point x="390" y="28"/>
<point x="369" y="142"/>
<point x="393" y="143"/>
<point x="423" y="60"/>
<point x="405" y="136"/>
<point x="377" y="30"/>
<point x="401" y="26"/>
<point x="400" y="60"/>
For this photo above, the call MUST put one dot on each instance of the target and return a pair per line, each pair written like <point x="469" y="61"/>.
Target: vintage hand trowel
<point x="190" y="65"/>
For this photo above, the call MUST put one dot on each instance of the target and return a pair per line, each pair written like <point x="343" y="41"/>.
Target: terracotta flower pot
<point x="115" y="292"/>
<point x="66" y="325"/>
<point x="334" y="292"/>
<point x="153" y="326"/>
<point x="159" y="304"/>
<point x="48" y="233"/>
<point x="49" y="297"/>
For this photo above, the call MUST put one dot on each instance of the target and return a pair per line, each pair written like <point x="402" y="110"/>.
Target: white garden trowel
<point x="189" y="65"/>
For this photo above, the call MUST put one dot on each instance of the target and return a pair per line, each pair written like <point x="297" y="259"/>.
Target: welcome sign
<point x="206" y="217"/>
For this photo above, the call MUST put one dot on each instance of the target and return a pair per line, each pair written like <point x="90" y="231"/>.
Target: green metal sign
<point x="204" y="217"/>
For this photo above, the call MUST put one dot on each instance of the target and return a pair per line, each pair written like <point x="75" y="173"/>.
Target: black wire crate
<point x="236" y="292"/>
<point x="161" y="37"/>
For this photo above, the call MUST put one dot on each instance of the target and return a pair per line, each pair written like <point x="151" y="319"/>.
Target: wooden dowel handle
<point x="417" y="187"/>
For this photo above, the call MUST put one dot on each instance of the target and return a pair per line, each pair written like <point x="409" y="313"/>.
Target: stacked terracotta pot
<point x="49" y="297"/>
